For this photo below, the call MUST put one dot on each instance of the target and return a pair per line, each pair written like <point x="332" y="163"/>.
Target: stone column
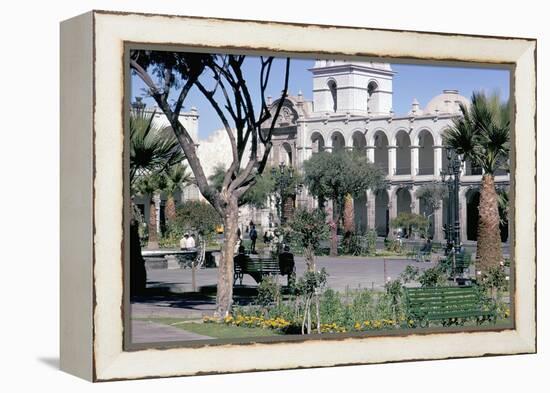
<point x="392" y="160"/>
<point x="304" y="153"/>
<point x="370" y="153"/>
<point x="438" y="160"/>
<point x="414" y="161"/>
<point x="276" y="154"/>
<point x="463" y="213"/>
<point x="392" y="202"/>
<point x="415" y="202"/>
<point x="371" y="209"/>
<point x="301" y="147"/>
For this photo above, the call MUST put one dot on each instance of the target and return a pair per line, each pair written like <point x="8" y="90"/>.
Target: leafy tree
<point x="432" y="195"/>
<point x="308" y="228"/>
<point x="414" y="223"/>
<point x="309" y="286"/>
<point x="220" y="79"/>
<point x="216" y="179"/>
<point x="284" y="183"/>
<point x="335" y="175"/>
<point x="265" y="186"/>
<point x="482" y="135"/>
<point x="197" y="215"/>
<point x="153" y="149"/>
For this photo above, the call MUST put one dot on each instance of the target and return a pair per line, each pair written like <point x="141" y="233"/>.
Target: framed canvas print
<point x="245" y="195"/>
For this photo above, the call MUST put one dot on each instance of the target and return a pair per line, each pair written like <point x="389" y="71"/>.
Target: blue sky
<point x="422" y="82"/>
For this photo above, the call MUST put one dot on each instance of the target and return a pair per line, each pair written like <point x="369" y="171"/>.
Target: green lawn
<point x="216" y="330"/>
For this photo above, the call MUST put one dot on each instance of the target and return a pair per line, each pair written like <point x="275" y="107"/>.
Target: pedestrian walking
<point x="253" y="236"/>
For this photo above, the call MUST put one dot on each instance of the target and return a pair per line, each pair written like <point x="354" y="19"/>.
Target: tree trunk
<point x="288" y="208"/>
<point x="152" y="242"/>
<point x="170" y="208"/>
<point x="489" y="247"/>
<point x="349" y="213"/>
<point x="194" y="277"/>
<point x="309" y="255"/>
<point x="138" y="274"/>
<point x="224" y="295"/>
<point x="333" y="238"/>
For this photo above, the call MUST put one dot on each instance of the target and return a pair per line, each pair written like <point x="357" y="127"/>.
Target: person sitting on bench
<point x="240" y="260"/>
<point x="286" y="265"/>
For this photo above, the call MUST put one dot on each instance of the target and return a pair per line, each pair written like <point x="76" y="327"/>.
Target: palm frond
<point x="482" y="133"/>
<point x="153" y="148"/>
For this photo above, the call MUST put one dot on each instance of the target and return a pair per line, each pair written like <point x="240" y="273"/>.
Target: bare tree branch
<point x="279" y="106"/>
<point x="210" y="97"/>
<point x="183" y="94"/>
<point x="184" y="138"/>
<point x="144" y="76"/>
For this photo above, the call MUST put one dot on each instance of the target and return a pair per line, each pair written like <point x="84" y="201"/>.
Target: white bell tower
<point x="360" y="88"/>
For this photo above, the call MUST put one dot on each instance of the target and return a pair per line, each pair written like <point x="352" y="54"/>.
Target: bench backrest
<point x="435" y="300"/>
<point x="259" y="265"/>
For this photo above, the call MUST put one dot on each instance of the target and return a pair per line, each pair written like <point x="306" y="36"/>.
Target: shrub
<point x="371" y="242"/>
<point x="494" y="282"/>
<point x="194" y="216"/>
<point x="361" y="306"/>
<point x="352" y="244"/>
<point x="330" y="306"/>
<point x="432" y="277"/>
<point x="393" y="246"/>
<point x="415" y="224"/>
<point x="269" y="293"/>
<point x="394" y="294"/>
<point x="410" y="273"/>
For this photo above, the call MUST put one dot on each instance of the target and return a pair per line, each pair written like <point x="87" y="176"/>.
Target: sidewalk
<point x="151" y="332"/>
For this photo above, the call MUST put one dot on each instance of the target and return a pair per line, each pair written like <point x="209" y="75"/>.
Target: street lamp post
<point x="452" y="179"/>
<point x="282" y="183"/>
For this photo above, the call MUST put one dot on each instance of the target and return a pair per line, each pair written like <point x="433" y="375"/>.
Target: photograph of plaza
<point x="273" y="198"/>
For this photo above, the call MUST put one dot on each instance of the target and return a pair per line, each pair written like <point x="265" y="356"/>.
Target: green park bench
<point x="413" y="253"/>
<point x="446" y="305"/>
<point x="461" y="264"/>
<point x="257" y="268"/>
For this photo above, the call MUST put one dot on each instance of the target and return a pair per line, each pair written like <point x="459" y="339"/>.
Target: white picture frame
<point x="92" y="188"/>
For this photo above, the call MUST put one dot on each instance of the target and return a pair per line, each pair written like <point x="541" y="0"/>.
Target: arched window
<point x="332" y="87"/>
<point x="372" y="104"/>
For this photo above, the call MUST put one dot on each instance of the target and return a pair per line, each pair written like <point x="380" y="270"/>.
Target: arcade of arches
<point x="408" y="167"/>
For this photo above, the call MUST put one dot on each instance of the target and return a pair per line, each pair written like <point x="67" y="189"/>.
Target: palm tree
<point x="176" y="177"/>
<point x="153" y="148"/>
<point x="349" y="214"/>
<point x="150" y="185"/>
<point x="482" y="135"/>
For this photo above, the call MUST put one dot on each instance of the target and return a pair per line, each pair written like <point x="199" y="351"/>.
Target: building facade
<point x="352" y="110"/>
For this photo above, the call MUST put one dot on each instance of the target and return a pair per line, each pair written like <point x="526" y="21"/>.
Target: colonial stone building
<point x="352" y="109"/>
